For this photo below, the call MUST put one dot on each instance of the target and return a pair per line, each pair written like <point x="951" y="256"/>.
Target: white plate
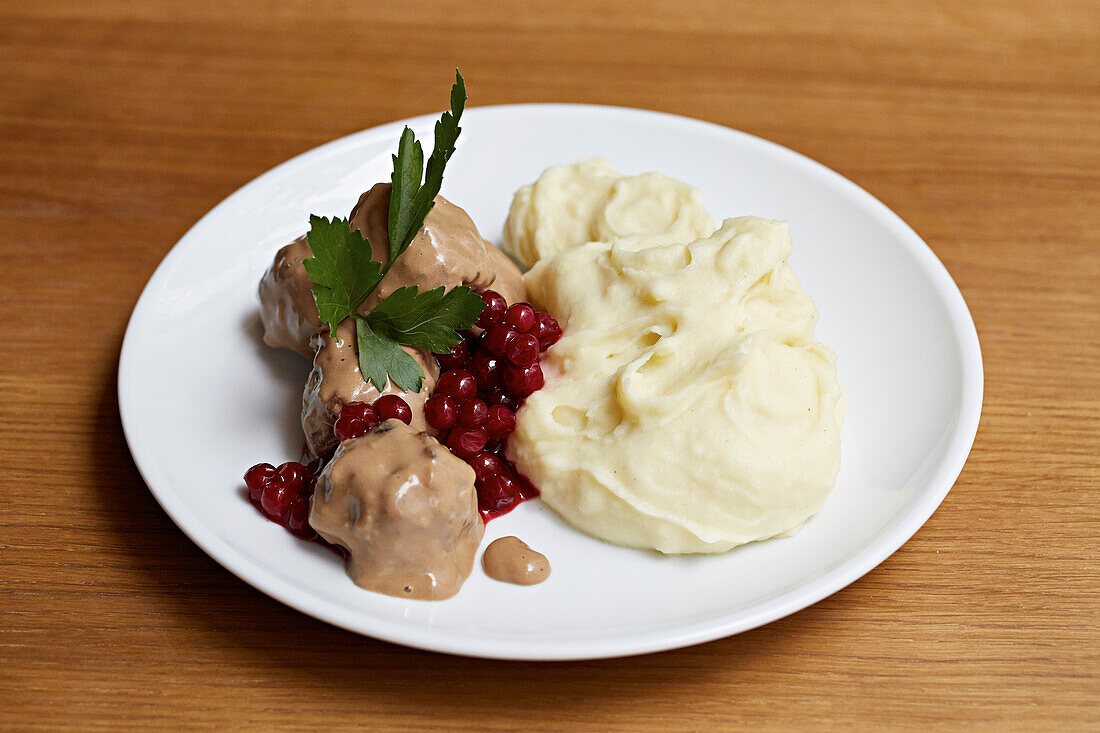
<point x="202" y="399"/>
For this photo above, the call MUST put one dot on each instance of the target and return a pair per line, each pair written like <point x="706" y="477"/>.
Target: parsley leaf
<point x="426" y="320"/>
<point x="408" y="166"/>
<point x="382" y="359"/>
<point x="344" y="274"/>
<point x="341" y="269"/>
<point x="409" y="201"/>
<point x="446" y="135"/>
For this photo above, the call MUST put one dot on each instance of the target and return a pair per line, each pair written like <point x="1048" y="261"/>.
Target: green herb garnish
<point x="344" y="273"/>
<point x="381" y="358"/>
<point x="341" y="269"/>
<point x="426" y="320"/>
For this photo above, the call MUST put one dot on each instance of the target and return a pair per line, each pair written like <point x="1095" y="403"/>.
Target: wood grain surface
<point x="121" y="123"/>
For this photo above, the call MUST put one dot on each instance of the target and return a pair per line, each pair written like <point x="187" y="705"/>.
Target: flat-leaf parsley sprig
<point x="344" y="274"/>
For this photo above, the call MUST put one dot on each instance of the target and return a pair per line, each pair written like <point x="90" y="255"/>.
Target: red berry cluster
<point x="283" y="493"/>
<point x="358" y="418"/>
<point x="485" y="380"/>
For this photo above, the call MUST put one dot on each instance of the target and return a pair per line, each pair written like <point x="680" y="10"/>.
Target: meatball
<point x="509" y="280"/>
<point x="336" y="381"/>
<point x="447" y="251"/>
<point x="287" y="308"/>
<point x="405" y="508"/>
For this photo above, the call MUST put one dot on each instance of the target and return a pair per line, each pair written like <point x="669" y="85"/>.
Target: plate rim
<point x="888" y="540"/>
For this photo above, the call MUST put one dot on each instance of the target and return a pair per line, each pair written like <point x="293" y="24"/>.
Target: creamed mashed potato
<point x="688" y="407"/>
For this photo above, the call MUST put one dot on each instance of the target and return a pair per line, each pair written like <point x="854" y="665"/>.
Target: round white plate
<point x="202" y="398"/>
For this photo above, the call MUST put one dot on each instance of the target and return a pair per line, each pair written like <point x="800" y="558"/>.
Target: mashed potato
<point x="688" y="407"/>
<point x="589" y="202"/>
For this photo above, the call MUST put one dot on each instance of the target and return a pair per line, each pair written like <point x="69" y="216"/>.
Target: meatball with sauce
<point x="405" y="508"/>
<point x="336" y="381"/>
<point x="448" y="251"/>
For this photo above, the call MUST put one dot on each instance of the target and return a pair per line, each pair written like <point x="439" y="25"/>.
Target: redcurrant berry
<point x="392" y="407"/>
<point x="500" y="422"/>
<point x="441" y="411"/>
<point x="495" y="306"/>
<point x="457" y="383"/>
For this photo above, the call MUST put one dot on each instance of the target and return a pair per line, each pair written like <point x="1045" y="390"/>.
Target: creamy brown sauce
<point x="405" y="508"/>
<point x="510" y="560"/>
<point x="336" y="381"/>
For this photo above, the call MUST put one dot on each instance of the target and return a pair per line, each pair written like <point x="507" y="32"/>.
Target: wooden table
<point x="122" y="123"/>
